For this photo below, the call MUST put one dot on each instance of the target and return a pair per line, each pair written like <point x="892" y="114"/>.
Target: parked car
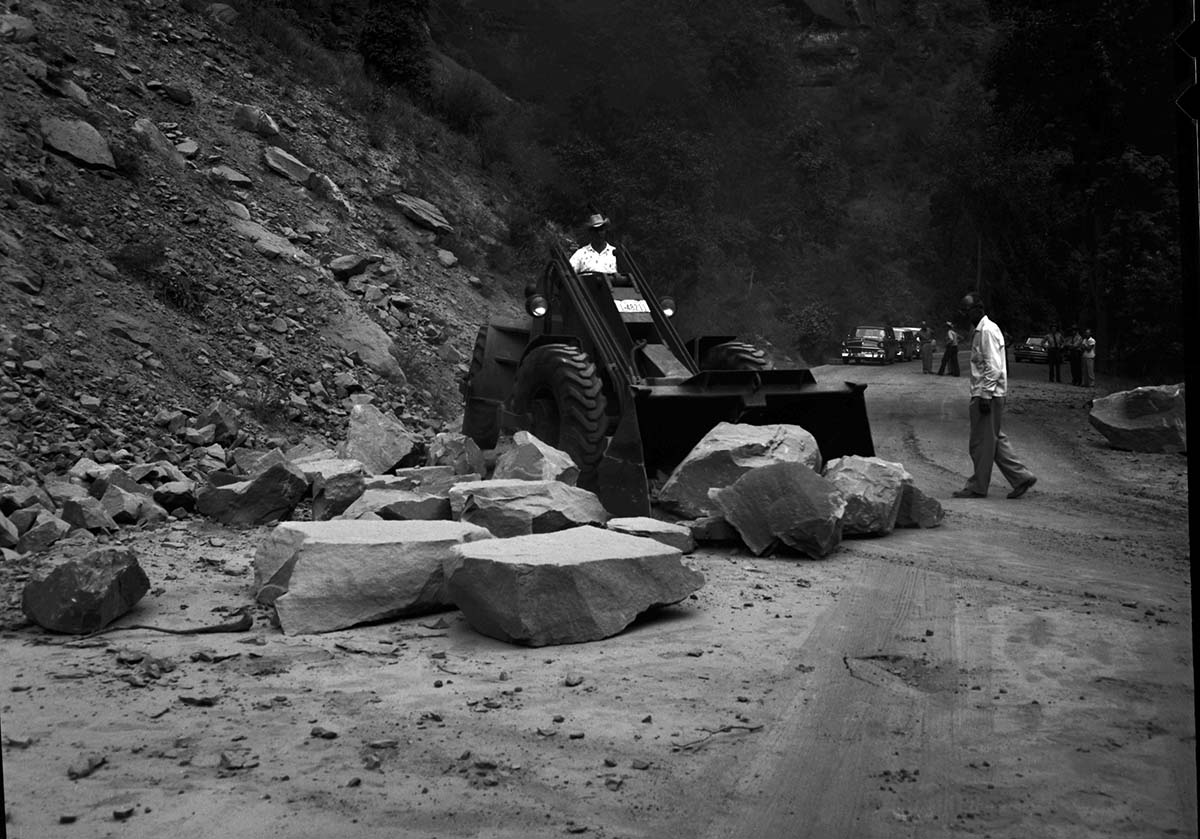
<point x="1032" y="349"/>
<point x="875" y="344"/>
<point x="910" y="347"/>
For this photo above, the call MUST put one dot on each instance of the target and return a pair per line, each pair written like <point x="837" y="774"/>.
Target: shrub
<point x="465" y="104"/>
<point x="394" y="45"/>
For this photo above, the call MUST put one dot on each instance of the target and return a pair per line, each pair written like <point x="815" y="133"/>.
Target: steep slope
<point x="135" y="276"/>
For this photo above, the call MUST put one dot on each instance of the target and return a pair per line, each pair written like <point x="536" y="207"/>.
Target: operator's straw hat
<point x="597" y="220"/>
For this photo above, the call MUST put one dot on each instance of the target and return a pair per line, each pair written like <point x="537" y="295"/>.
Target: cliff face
<point x="188" y="217"/>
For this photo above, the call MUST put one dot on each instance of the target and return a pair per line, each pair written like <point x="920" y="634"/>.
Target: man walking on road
<point x="950" y="354"/>
<point x="989" y="384"/>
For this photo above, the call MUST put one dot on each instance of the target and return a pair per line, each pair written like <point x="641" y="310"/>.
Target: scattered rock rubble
<point x="383" y="543"/>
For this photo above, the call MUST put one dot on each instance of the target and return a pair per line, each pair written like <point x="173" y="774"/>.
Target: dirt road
<point x="1024" y="670"/>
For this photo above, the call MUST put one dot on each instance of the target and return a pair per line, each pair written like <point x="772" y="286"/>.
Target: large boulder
<point x="223" y="418"/>
<point x="43" y="531"/>
<point x="88" y="514"/>
<point x="329" y="575"/>
<point x="1145" y="419"/>
<point x="266" y="498"/>
<point x="788" y="503"/>
<point x="458" y="451"/>
<point x="399" y="505"/>
<point x="918" y="509"/>
<point x="153" y="140"/>
<point x="530" y="459"/>
<point x="77" y="140"/>
<point x="873" y="489"/>
<point x="519" y="508"/>
<point x="378" y="440"/>
<point x="255" y="120"/>
<point x="426" y="478"/>
<point x="336" y="483"/>
<point x="726" y="453"/>
<point x="417" y="210"/>
<point x="86" y="593"/>
<point x="287" y="165"/>
<point x="575" y="585"/>
<point x="678" y="536"/>
<point x="9" y="535"/>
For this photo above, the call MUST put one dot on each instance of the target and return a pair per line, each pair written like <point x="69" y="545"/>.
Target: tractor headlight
<point x="668" y="306"/>
<point x="536" y="305"/>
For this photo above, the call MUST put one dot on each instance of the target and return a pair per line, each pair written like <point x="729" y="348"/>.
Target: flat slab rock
<point x="567" y="587"/>
<point x="328" y="575"/>
<point x="1145" y="419"/>
<point x="676" y="535"/>
<point x="520" y="508"/>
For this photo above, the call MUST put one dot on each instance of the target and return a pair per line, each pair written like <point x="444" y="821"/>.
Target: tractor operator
<point x="597" y="256"/>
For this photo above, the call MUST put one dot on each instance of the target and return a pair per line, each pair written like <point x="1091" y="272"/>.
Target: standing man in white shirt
<point x="989" y="384"/>
<point x="597" y="256"/>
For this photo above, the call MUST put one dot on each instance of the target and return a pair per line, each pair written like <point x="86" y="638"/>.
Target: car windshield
<point x="1035" y="342"/>
<point x="869" y="332"/>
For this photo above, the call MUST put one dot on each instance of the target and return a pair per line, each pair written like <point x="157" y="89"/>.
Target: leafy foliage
<point x="394" y="44"/>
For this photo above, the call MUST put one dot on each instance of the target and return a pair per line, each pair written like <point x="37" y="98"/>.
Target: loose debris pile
<point x="525" y="560"/>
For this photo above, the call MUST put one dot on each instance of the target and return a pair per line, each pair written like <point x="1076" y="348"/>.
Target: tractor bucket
<point x="669" y="420"/>
<point x="674" y="418"/>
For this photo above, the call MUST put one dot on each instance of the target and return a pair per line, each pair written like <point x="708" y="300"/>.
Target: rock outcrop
<point x="724" y="455"/>
<point x="575" y="585"/>
<point x="784" y="503"/>
<point x="323" y="576"/>
<point x="1145" y="419"/>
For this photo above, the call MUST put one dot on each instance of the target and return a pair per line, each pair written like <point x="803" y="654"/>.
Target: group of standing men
<point x="1080" y="350"/>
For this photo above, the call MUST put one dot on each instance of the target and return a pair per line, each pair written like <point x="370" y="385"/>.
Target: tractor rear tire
<point x="479" y="424"/>
<point x="735" y="355"/>
<point x="558" y="385"/>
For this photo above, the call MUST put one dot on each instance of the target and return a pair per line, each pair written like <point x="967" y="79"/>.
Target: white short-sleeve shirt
<point x="588" y="259"/>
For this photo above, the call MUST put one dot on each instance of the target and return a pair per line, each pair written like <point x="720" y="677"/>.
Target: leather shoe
<point x="1022" y="488"/>
<point x="969" y="493"/>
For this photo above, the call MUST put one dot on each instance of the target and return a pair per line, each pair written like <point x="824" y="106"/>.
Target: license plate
<point x="632" y="306"/>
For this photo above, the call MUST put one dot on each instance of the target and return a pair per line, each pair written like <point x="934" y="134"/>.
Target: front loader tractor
<point x="599" y="371"/>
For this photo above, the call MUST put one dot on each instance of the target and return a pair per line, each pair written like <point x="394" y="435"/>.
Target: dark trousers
<point x="1054" y="359"/>
<point x="989" y="445"/>
<point x="1075" y="357"/>
<point x="949" y="360"/>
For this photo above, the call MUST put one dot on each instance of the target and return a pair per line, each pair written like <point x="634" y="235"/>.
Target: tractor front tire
<point x="559" y="388"/>
<point x="735" y="355"/>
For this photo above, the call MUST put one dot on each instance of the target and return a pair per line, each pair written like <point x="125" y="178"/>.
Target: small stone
<point x="322" y="733"/>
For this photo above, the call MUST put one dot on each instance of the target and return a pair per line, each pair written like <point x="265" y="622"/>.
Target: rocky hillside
<point x="185" y="221"/>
